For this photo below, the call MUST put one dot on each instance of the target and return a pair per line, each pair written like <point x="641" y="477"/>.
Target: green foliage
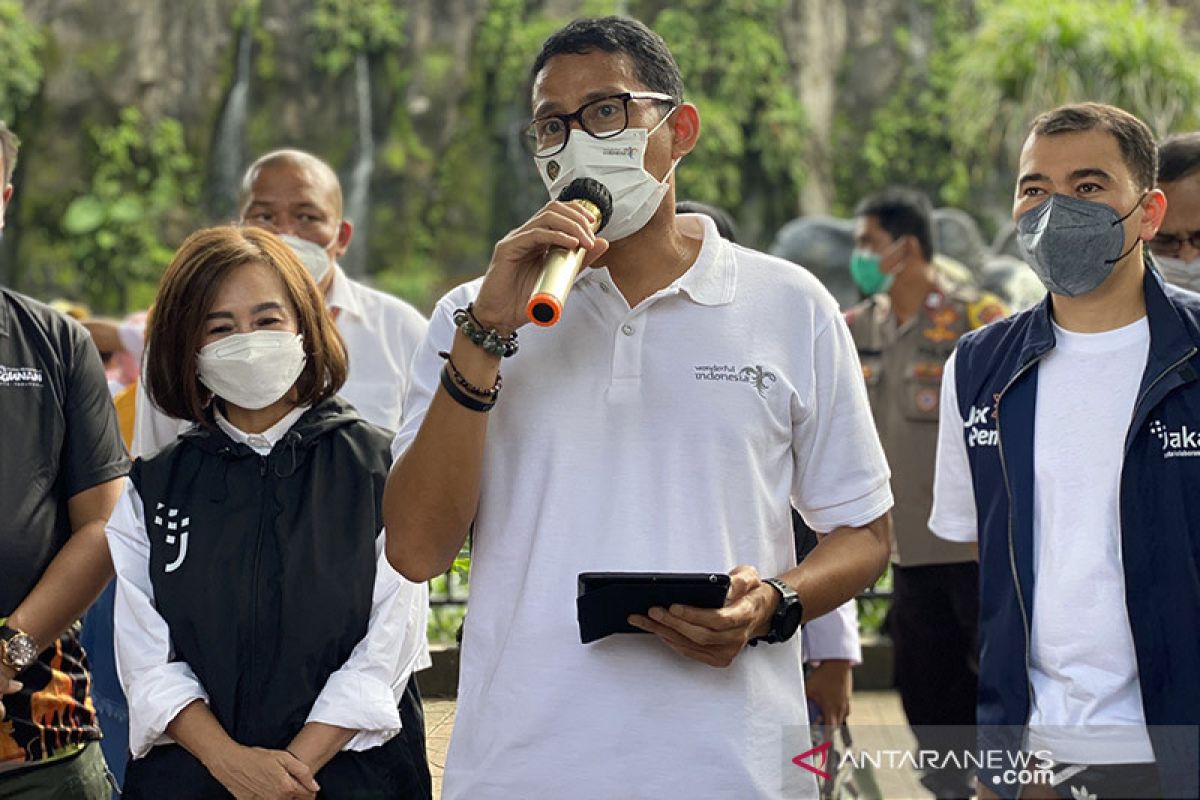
<point x="20" y="62"/>
<point x="909" y="140"/>
<point x="117" y="230"/>
<point x="344" y="28"/>
<point x="736" y="70"/>
<point x="1028" y="56"/>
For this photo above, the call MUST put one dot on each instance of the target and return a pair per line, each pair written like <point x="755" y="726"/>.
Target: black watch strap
<point x="786" y="619"/>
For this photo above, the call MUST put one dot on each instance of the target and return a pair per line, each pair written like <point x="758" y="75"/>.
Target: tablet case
<point x="606" y="599"/>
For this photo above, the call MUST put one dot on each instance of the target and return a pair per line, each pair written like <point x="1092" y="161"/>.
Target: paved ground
<point x="877" y="723"/>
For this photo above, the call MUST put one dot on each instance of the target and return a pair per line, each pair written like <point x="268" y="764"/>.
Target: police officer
<point x="904" y="331"/>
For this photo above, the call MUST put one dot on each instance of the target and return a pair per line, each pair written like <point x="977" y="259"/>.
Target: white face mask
<point x="316" y="259"/>
<point x="1185" y="274"/>
<point x="252" y="370"/>
<point x="619" y="164"/>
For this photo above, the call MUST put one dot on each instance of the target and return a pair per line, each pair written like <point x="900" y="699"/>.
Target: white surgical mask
<point x="619" y="164"/>
<point x="1185" y="274"/>
<point x="314" y="257"/>
<point x="252" y="370"/>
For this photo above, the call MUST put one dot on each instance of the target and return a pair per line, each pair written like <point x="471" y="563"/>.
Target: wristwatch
<point x="17" y="649"/>
<point x="786" y="619"/>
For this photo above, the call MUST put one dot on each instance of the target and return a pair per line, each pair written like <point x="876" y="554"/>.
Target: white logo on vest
<point x="1182" y="443"/>
<point x="981" y="437"/>
<point x="176" y="529"/>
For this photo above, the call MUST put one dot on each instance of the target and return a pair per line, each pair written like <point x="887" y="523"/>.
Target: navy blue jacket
<point x="997" y="379"/>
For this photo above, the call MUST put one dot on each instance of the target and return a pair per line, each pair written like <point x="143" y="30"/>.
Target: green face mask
<point x="864" y="269"/>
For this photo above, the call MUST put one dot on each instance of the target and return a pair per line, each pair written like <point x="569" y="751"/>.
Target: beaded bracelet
<point x="461" y="397"/>
<point x="490" y="394"/>
<point x="488" y="338"/>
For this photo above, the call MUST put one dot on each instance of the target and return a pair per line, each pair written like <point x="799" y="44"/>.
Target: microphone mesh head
<point x="593" y="191"/>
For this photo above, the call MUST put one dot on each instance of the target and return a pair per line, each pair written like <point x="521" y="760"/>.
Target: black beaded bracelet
<point x="461" y="397"/>
<point x="490" y="394"/>
<point x="488" y="338"/>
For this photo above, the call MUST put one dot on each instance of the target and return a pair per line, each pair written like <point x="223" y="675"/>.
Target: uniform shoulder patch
<point x="988" y="308"/>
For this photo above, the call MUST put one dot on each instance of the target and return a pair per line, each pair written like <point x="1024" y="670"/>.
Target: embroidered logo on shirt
<point x="176" y="529"/>
<point x="1182" y="443"/>
<point x="20" y="376"/>
<point x="981" y="437"/>
<point x="761" y="379"/>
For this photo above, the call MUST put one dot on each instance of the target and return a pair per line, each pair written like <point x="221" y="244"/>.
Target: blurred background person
<point x="1176" y="246"/>
<point x="904" y="332"/>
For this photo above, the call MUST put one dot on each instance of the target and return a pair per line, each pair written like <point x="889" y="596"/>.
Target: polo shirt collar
<point x="342" y="295"/>
<point x="712" y="278"/>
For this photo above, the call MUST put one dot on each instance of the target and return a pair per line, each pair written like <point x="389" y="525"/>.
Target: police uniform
<point x="933" y="622"/>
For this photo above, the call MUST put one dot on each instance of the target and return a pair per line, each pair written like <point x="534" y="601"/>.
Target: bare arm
<point x="77" y="574"/>
<point x="432" y="492"/>
<point x="317" y="742"/>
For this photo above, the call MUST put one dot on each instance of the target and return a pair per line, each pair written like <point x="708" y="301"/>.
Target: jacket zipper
<point x="1012" y="552"/>
<point x="252" y="678"/>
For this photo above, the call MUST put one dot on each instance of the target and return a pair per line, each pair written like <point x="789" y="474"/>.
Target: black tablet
<point x="606" y="599"/>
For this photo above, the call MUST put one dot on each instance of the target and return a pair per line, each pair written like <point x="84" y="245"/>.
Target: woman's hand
<point x="255" y="773"/>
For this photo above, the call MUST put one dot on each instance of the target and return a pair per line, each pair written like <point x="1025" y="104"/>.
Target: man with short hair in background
<point x="904" y="331"/>
<point x="1176" y="246"/>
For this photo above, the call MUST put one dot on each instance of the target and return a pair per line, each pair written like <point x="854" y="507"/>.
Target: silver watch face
<point x="20" y="651"/>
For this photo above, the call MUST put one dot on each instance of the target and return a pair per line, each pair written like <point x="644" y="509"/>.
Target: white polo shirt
<point x="673" y="436"/>
<point x="381" y="333"/>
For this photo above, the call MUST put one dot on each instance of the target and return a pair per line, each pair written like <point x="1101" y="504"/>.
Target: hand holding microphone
<point x="518" y="259"/>
<point x="562" y="265"/>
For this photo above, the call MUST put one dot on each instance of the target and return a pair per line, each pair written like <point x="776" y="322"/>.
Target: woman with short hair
<point x="260" y="633"/>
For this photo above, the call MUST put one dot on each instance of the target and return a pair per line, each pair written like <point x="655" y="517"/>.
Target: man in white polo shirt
<point x="692" y="392"/>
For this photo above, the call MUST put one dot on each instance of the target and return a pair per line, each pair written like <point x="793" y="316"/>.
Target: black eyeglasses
<point x="1167" y="244"/>
<point x="603" y="119"/>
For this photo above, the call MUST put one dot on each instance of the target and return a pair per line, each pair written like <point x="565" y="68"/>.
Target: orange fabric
<point x="126" y="404"/>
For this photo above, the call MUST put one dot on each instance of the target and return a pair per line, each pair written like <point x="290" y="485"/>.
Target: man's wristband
<point x="462" y="398"/>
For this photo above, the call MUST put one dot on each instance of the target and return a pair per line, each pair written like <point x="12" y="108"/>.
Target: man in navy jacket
<point x="1069" y="449"/>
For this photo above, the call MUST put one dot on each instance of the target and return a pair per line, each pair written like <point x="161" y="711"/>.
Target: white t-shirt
<point x="1087" y="705"/>
<point x="667" y="437"/>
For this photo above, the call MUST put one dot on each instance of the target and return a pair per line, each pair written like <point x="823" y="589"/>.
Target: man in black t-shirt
<point x="62" y="465"/>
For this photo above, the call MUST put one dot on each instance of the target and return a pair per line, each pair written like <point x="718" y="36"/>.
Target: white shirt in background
<point x="1087" y="705"/>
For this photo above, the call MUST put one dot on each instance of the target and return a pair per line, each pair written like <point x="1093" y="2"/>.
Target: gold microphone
<point x="560" y="265"/>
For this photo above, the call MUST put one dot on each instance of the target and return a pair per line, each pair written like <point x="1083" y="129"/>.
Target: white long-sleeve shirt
<point x="362" y="695"/>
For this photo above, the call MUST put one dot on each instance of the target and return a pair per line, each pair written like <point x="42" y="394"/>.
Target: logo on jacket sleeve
<point x="1181" y="443"/>
<point x="979" y="434"/>
<point x="175" y="530"/>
